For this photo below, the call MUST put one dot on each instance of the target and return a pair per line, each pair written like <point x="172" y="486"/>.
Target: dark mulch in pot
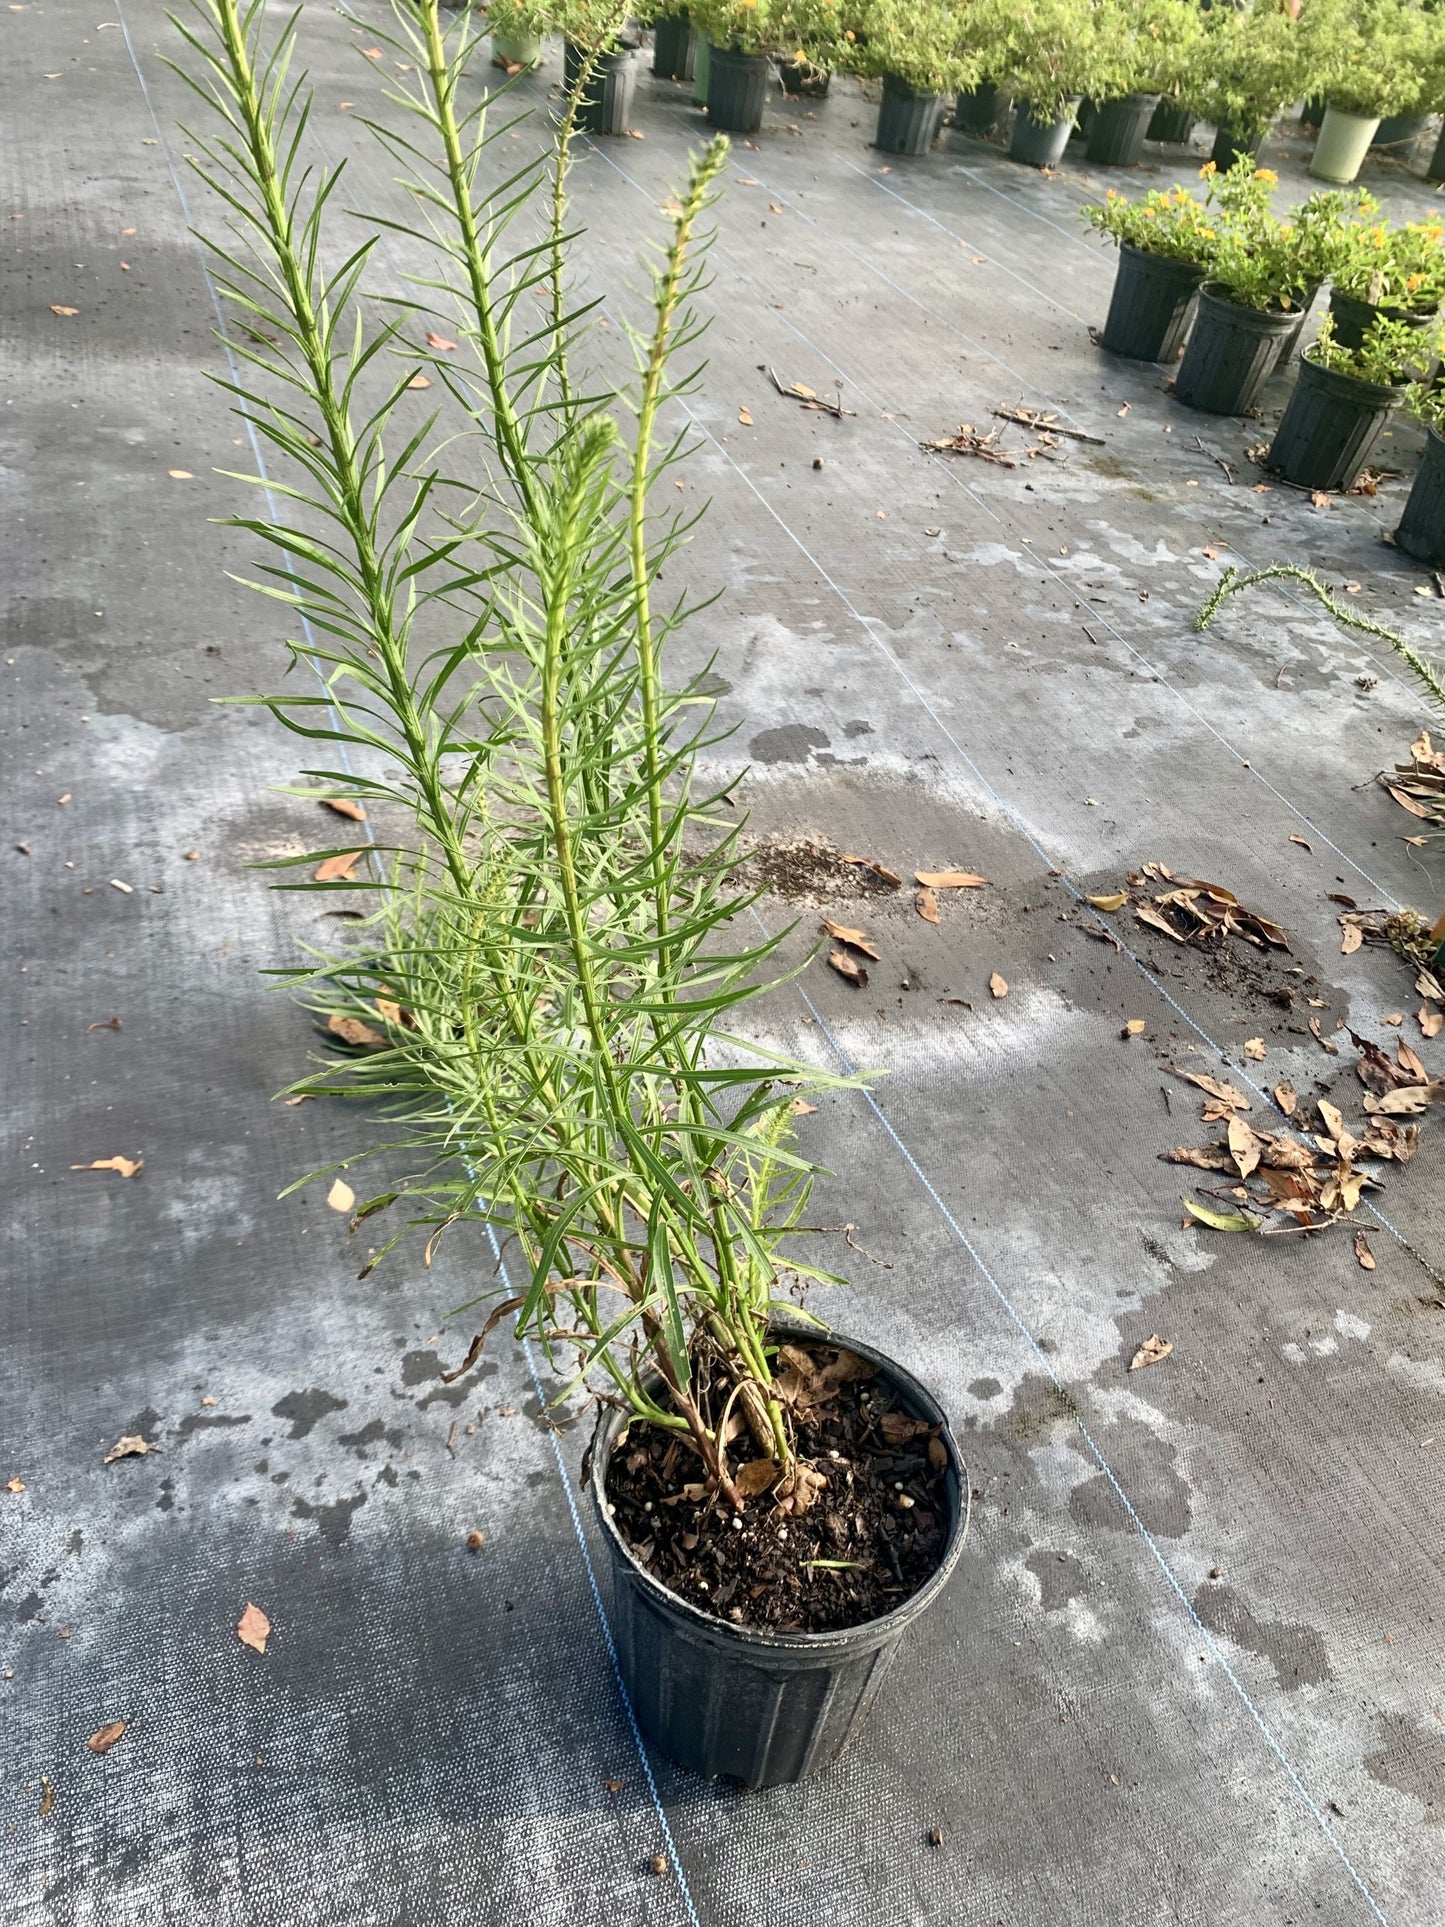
<point x="883" y="1510"/>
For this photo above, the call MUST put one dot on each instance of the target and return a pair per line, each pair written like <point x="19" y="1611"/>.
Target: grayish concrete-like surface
<point x="932" y="664"/>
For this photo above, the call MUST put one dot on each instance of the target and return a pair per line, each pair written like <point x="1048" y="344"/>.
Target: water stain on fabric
<point x="371" y="1434"/>
<point x="790" y="743"/>
<point x="985" y="1388"/>
<point x="305" y="1410"/>
<point x="1411" y="1760"/>
<point x="1144" y="1465"/>
<point x="1060" y="1575"/>
<point x="1297" y="1653"/>
<point x="206" y="1422"/>
<point x="332" y="1521"/>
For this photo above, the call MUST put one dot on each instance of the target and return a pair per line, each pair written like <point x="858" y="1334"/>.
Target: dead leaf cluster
<point x="1419" y="785"/>
<point x="1192" y="911"/>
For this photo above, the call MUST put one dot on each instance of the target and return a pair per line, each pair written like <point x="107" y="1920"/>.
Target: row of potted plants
<point x="1255" y="276"/>
<point x="1148" y="68"/>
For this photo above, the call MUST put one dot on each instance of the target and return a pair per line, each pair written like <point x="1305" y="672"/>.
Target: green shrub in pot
<point x="1399" y="267"/>
<point x="1166" y="241"/>
<point x="1342" y="399"/>
<point x="914" y="47"/>
<point x="1248" y="68"/>
<point x="1034" y="51"/>
<point x="517" y="28"/>
<point x="1134" y="51"/>
<point x="1368" y="58"/>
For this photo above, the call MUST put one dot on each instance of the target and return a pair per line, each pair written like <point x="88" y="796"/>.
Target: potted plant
<point x="550" y="992"/>
<point x="913" y="46"/>
<point x="1384" y="271"/>
<point x="1034" y="51"/>
<point x="1369" y="59"/>
<point x="1172" y="122"/>
<point x="1251" y="301"/>
<point x="517" y="28"/>
<point x="1341" y="400"/>
<point x="1322" y="225"/>
<point x="979" y="110"/>
<point x="740" y="36"/>
<point x="1166" y="243"/>
<point x="1421" y="533"/>
<point x="1134" y="50"/>
<point x="1250" y="66"/>
<point x="600" y="64"/>
<point x="674" y="47"/>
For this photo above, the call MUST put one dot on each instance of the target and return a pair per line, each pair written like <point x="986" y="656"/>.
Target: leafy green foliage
<point x="1247" y="68"/>
<point x="920" y="41"/>
<point x="1389" y="354"/>
<point x="1369" y="57"/>
<point x="1170" y="222"/>
<point x="549" y="967"/>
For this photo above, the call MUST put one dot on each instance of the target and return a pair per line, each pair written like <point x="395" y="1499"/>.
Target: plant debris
<point x="341" y="1197"/>
<point x="848" y="967"/>
<point x="253" y="1628"/>
<point x="799" y="391"/>
<point x="1151" y="1352"/>
<point x="854" y="939"/>
<point x="1042" y="418"/>
<point x="127" y="1167"/>
<point x="1192" y="911"/>
<point x="872" y="1533"/>
<point x="968" y="441"/>
<point x="105" y="1737"/>
<point x="130" y="1447"/>
<point x="998" y="985"/>
<point x="1419" y="785"/>
<point x="949" y="879"/>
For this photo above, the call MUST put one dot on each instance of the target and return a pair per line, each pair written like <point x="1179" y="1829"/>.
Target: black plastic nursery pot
<point x="1232" y="351"/>
<point x="1116" y="138"/>
<point x="979" y="110"/>
<point x="1436" y="170"/>
<point x="803" y="80"/>
<point x="1230" y="146"/>
<point x="1039" y="143"/>
<point x="674" y="48"/>
<point x="605" y="106"/>
<point x="1329" y="426"/>
<point x="1354" y="318"/>
<point x="1171" y="125"/>
<point x="1422" y="527"/>
<point x="763" y="1707"/>
<point x="1152" y="301"/>
<point x="1399" y="130"/>
<point x="737" y="88"/>
<point x="907" y="119"/>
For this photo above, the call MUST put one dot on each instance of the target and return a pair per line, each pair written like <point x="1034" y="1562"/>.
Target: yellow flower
<point x="1207" y="170"/>
<point x="1267" y="175"/>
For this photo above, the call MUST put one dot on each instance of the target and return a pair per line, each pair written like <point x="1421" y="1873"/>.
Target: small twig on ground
<point x="1041" y="418"/>
<point x="799" y="391"/>
<point x="969" y="442"/>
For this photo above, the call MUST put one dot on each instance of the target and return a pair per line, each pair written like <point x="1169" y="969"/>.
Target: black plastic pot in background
<point x="1329" y="426"/>
<point x="737" y="88"/>
<point x="1229" y="147"/>
<point x="1399" y="130"/>
<point x="1312" y="113"/>
<point x="1152" y="301"/>
<point x="1231" y="353"/>
<point x="979" y="110"/>
<point x="1436" y="170"/>
<point x="1422" y="527"/>
<point x="765" y="1708"/>
<point x="1116" y="138"/>
<point x="674" y="48"/>
<point x="1171" y="124"/>
<point x="1038" y="143"/>
<point x="1354" y="318"/>
<point x="803" y="80"/>
<point x="605" y="106"/>
<point x="907" y="119"/>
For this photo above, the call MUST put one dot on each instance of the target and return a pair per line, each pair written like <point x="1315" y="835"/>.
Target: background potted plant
<point x="1134" y="51"/>
<point x="600" y="63"/>
<point x="1321" y="227"/>
<point x="544" y="988"/>
<point x="1421" y="533"/>
<point x="674" y="47"/>
<point x="1369" y="58"/>
<point x="1248" y="67"/>
<point x="1385" y="271"/>
<point x="913" y="47"/>
<point x="1251" y="301"/>
<point x="1034" y="51"/>
<point x="1166" y="243"/>
<point x="740" y="36"/>
<point x="1342" y="399"/>
<point x="517" y="28"/>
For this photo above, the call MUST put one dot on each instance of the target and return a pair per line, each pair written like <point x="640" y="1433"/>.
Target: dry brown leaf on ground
<point x="1304" y="843"/>
<point x="1136" y="1026"/>
<point x="1286" y="1098"/>
<point x="15" y="1485"/>
<point x="111" y="1023"/>
<point x="253" y="1628"/>
<point x="926" y="904"/>
<point x="339" y="867"/>
<point x="1352" y="938"/>
<point x="745" y="418"/>
<point x="854" y="939"/>
<point x="1407" y="1100"/>
<point x="132" y="1446"/>
<point x="341" y="1197"/>
<point x="1363" y="1254"/>
<point x="755" y="1477"/>
<point x="848" y="967"/>
<point x="802" y="1108"/>
<point x="1151" y="1352"/>
<point x="57" y="308"/>
<point x="1207" y="1157"/>
<point x="419" y="381"/>
<point x="1215" y="1087"/>
<point x="949" y="879"/>
<point x="127" y="1167"/>
<point x="1243" y="1146"/>
<point x="1218" y="1220"/>
<point x="1394" y="1018"/>
<point x="1254" y="1048"/>
<point x="351" y="1030"/>
<point x="440" y="342"/>
<point x="105" y="1737"/>
<point x="998" y="986"/>
<point x="1430" y="1021"/>
<point x="1146" y="913"/>
<point x="345" y="806"/>
<point x="47" y="1797"/>
<point x="870" y="863"/>
<point x="1115" y="901"/>
<point x="1320" y="1038"/>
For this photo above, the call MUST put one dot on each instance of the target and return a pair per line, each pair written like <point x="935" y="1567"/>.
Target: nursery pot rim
<point x="1179" y="263"/>
<point x="765" y="1638"/>
<point x="1216" y="291"/>
<point x="1385" y="392"/>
